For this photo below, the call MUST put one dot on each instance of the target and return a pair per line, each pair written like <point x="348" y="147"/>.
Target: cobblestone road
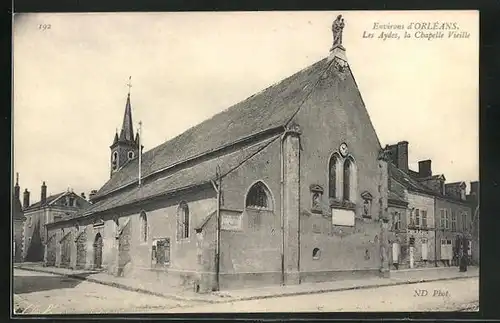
<point x="36" y="293"/>
<point x="450" y="295"/>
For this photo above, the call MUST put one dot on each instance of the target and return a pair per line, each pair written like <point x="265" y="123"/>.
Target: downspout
<point x="282" y="139"/>
<point x="435" y="235"/>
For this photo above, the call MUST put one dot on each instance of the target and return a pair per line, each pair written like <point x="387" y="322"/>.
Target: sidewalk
<point x="399" y="277"/>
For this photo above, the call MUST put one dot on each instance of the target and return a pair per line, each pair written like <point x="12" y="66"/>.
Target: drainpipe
<point x="435" y="236"/>
<point x="282" y="139"/>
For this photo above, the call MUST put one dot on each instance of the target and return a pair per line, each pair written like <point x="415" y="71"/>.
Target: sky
<point x="70" y="82"/>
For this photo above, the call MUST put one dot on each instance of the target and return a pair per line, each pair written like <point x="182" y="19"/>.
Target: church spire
<point x="125" y="143"/>
<point x="127" y="132"/>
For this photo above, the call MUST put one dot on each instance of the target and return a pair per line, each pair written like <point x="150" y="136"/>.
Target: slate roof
<point x="198" y="174"/>
<point x="268" y="109"/>
<point x="17" y="209"/>
<point x="412" y="184"/>
<point x="38" y="204"/>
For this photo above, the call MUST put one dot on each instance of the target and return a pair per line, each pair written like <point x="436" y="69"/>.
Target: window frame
<point x="183" y="231"/>
<point x="268" y="196"/>
<point x="425" y="224"/>
<point x="396" y="220"/>
<point x="454" y="226"/>
<point x="336" y="179"/>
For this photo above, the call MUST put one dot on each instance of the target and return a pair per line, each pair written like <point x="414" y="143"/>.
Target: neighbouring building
<point x="17" y="222"/>
<point x="287" y="186"/>
<point x="48" y="209"/>
<point x="438" y="217"/>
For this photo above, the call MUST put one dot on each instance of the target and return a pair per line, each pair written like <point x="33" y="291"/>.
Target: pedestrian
<point x="463" y="262"/>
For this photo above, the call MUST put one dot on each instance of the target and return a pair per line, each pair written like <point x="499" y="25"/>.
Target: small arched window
<point x="130" y="154"/>
<point x="183" y="221"/>
<point x="349" y="179"/>
<point x="144" y="227"/>
<point x="332" y="176"/>
<point x="259" y="196"/>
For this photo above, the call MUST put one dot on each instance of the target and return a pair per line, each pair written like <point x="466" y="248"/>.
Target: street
<point x="38" y="293"/>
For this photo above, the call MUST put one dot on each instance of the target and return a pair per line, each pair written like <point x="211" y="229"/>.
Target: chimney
<point x="402" y="156"/>
<point x="17" y="189"/>
<point x="26" y="199"/>
<point x="474" y="188"/>
<point x="92" y="194"/>
<point x="43" y="197"/>
<point x="83" y="196"/>
<point x="424" y="168"/>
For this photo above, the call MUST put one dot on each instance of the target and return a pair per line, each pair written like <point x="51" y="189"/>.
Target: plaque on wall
<point x="231" y="222"/>
<point x="343" y="217"/>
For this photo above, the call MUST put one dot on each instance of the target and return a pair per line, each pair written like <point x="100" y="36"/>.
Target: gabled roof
<point x="49" y="200"/>
<point x="411" y="184"/>
<point x="271" y="108"/>
<point x="408" y="181"/>
<point x="198" y="174"/>
<point x="53" y="198"/>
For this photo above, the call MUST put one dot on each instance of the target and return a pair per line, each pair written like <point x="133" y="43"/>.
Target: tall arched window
<point x="349" y="179"/>
<point x="332" y="176"/>
<point x="259" y="196"/>
<point x="144" y="227"/>
<point x="183" y="221"/>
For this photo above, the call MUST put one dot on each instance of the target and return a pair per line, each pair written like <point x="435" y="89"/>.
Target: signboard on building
<point x="343" y="217"/>
<point x="231" y="222"/>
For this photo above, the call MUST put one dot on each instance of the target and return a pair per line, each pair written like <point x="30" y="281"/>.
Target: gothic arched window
<point x="259" y="196"/>
<point x="183" y="221"/>
<point x="144" y="227"/>
<point x="332" y="176"/>
<point x="349" y="180"/>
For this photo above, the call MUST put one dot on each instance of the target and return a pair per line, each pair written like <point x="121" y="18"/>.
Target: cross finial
<point x="129" y="84"/>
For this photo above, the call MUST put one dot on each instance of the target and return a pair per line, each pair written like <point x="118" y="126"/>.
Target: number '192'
<point x="44" y="26"/>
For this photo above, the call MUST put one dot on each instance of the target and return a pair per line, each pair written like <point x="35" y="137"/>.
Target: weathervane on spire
<point x="337" y="29"/>
<point x="129" y="84"/>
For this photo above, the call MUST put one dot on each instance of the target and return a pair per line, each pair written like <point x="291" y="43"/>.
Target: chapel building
<point x="285" y="187"/>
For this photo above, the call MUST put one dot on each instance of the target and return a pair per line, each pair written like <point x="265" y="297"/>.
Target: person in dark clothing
<point x="463" y="261"/>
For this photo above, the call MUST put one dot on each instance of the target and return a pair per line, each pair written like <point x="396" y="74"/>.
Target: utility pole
<point x="218" y="187"/>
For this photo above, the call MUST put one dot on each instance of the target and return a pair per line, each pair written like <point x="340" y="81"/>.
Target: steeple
<point x="125" y="145"/>
<point x="127" y="132"/>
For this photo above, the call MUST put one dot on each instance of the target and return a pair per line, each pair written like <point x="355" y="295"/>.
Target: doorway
<point x="98" y="251"/>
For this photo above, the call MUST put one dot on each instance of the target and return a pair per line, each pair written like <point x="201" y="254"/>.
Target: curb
<point x="113" y="284"/>
<point x="340" y="289"/>
<point x="244" y="298"/>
